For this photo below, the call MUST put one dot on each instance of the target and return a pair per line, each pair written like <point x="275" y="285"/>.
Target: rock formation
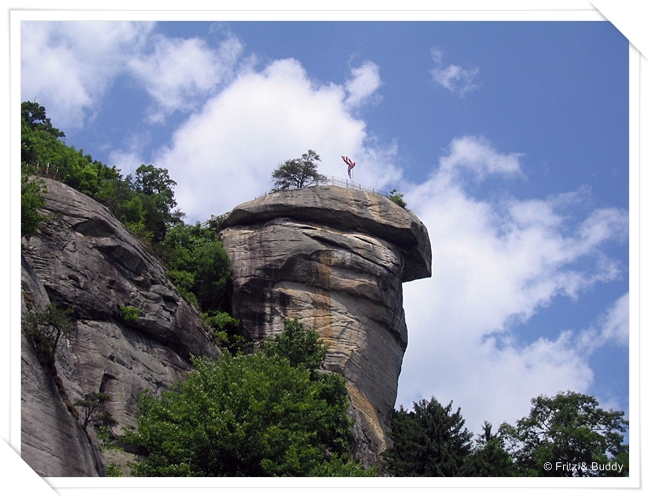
<point x="334" y="258"/>
<point x="83" y="259"/>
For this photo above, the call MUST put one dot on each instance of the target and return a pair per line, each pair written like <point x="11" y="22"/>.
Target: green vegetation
<point x="31" y="200"/>
<point x="93" y="409"/>
<point x="129" y="314"/>
<point x="274" y="412"/>
<point x="567" y="435"/>
<point x="571" y="432"/>
<point x="428" y="441"/>
<point x="270" y="413"/>
<point x="297" y="173"/>
<point x="397" y="198"/>
<point x="46" y="327"/>
<point x="145" y="204"/>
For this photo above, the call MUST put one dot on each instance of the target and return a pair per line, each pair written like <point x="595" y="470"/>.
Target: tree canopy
<point x="249" y="415"/>
<point x="428" y="441"/>
<point x="568" y="435"/>
<point x="144" y="202"/>
<point x="298" y="173"/>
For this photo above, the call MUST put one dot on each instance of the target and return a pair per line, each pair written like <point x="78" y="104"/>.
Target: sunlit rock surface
<point x="334" y="258"/>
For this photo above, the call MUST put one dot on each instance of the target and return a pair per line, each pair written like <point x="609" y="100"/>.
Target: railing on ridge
<point x="339" y="182"/>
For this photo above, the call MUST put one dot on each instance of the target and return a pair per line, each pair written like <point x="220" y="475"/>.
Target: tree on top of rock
<point x="297" y="173"/>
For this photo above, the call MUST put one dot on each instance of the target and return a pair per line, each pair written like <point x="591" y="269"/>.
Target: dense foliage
<point x="144" y="203"/>
<point x="568" y="435"/>
<point x="428" y="441"/>
<point x="297" y="173"/>
<point x="572" y="434"/>
<point x="264" y="414"/>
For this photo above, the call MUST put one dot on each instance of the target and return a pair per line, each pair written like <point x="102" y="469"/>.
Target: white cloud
<point x="180" y="73"/>
<point x="494" y="266"/>
<point x="68" y="66"/>
<point x="262" y="119"/>
<point x="363" y="85"/>
<point x="453" y="78"/>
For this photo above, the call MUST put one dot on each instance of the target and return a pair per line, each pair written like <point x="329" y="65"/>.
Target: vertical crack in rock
<point x="335" y="259"/>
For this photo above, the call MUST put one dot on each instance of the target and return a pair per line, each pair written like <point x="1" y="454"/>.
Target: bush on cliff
<point x="264" y="414"/>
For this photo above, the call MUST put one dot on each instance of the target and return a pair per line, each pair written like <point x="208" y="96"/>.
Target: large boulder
<point x="84" y="260"/>
<point x="335" y="259"/>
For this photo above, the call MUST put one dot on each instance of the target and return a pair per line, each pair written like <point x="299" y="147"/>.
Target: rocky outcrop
<point x="334" y="258"/>
<point x="83" y="259"/>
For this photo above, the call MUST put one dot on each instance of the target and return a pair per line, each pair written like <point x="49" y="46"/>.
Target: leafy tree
<point x="489" y="457"/>
<point x="297" y="173"/>
<point x="397" y="198"/>
<point x="428" y="441"/>
<point x="46" y="326"/>
<point x="572" y="435"/>
<point x="247" y="415"/>
<point x="197" y="264"/>
<point x="35" y="117"/>
<point x="299" y="345"/>
<point x="31" y="200"/>
<point x="93" y="409"/>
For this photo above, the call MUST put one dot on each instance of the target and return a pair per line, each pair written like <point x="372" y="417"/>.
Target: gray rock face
<point x="52" y="441"/>
<point x="335" y="259"/>
<point x="84" y="259"/>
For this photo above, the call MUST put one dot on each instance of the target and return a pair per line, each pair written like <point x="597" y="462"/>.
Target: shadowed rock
<point x="334" y="258"/>
<point x="83" y="259"/>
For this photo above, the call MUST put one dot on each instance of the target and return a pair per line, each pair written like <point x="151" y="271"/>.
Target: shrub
<point x="129" y="314"/>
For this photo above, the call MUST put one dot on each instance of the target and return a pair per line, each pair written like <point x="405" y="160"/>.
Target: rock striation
<point x="83" y="259"/>
<point x="334" y="258"/>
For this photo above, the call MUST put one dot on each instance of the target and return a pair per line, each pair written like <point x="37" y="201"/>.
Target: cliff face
<point x="335" y="259"/>
<point x="83" y="259"/>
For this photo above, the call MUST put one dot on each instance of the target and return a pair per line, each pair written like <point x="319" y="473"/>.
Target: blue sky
<point x="508" y="139"/>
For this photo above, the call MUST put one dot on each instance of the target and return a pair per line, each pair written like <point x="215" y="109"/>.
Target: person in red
<point x="350" y="164"/>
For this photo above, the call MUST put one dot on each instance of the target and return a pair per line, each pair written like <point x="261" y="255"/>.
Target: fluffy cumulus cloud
<point x="454" y="78"/>
<point x="68" y="66"/>
<point x="363" y="84"/>
<point x="225" y="154"/>
<point x="496" y="264"/>
<point x="180" y="73"/>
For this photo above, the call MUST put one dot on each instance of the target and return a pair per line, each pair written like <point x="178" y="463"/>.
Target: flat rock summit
<point x="333" y="258"/>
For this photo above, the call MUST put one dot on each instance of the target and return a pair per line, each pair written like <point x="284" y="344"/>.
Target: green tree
<point x="93" y="409"/>
<point x="297" y="173"/>
<point x="397" y="198"/>
<point x="34" y="116"/>
<point x="489" y="457"/>
<point x="568" y="435"/>
<point x="31" y="200"/>
<point x="299" y="345"/>
<point x="197" y="264"/>
<point x="246" y="415"/>
<point x="428" y="441"/>
<point x="46" y="326"/>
